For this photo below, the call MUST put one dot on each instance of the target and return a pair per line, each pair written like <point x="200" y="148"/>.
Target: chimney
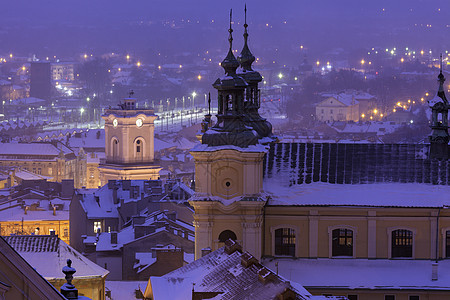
<point x="434" y="271"/>
<point x="265" y="275"/>
<point x="115" y="200"/>
<point x="247" y="259"/>
<point x="206" y="251"/>
<point x="114" y="237"/>
<point x="231" y="247"/>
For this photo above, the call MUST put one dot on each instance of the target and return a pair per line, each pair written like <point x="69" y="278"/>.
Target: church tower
<point x="252" y="99"/>
<point x="439" y="137"/>
<point x="129" y="143"/>
<point x="228" y="198"/>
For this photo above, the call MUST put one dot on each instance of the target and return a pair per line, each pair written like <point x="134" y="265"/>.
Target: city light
<point x="88" y="99"/>
<point x="85" y="56"/>
<point x="317" y="62"/>
<point x="363" y="116"/>
<point x="375" y="111"/>
<point x="362" y="61"/>
<point x="128" y="57"/>
<point x="23" y="68"/>
<point x="199" y="77"/>
<point x="280" y="75"/>
<point x="138" y="64"/>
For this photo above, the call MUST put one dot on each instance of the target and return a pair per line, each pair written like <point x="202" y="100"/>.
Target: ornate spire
<point x="246" y="58"/>
<point x="230" y="64"/>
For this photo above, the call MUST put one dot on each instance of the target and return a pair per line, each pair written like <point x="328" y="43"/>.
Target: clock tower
<point x="129" y="143"/>
<point x="229" y="200"/>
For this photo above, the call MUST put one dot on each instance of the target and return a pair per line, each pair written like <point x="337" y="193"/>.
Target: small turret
<point x="439" y="137"/>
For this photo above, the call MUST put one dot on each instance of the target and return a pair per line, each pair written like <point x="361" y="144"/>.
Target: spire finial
<point x="230" y="38"/>
<point x="441" y="64"/>
<point x="230" y="64"/>
<point x="246" y="57"/>
<point x="245" y="15"/>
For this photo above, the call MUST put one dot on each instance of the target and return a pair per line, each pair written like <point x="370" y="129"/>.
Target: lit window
<point x="342" y="242"/>
<point x="97" y="226"/>
<point x="402" y="243"/>
<point x="285" y="241"/>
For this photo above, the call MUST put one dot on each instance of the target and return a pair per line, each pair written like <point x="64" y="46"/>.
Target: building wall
<point x="145" y="244"/>
<point x="92" y="175"/>
<point x="113" y="263"/>
<point x="333" y="110"/>
<point x="371" y="228"/>
<point x="93" y="287"/>
<point x="61" y="228"/>
<point x="57" y="170"/>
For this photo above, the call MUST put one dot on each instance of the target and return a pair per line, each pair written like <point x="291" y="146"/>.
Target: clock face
<point x="139" y="122"/>
<point x="115" y="122"/>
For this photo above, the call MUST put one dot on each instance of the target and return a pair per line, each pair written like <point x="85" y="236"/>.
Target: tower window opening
<point x="227" y="234"/>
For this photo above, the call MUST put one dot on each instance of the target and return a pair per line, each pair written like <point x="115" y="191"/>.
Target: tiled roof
<point x="33" y="243"/>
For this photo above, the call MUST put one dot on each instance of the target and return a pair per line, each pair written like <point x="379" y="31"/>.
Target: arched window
<point x="285" y="241"/>
<point x="342" y="242"/>
<point x="139" y="149"/>
<point x="227" y="234"/>
<point x="402" y="243"/>
<point x="115" y="148"/>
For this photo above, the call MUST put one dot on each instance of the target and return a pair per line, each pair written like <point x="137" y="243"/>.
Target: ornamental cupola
<point x="230" y="128"/>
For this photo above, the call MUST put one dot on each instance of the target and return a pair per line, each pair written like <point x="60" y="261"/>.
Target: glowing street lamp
<point x="138" y="64"/>
<point x="199" y="77"/>
<point x="193" y="97"/>
<point x="280" y="76"/>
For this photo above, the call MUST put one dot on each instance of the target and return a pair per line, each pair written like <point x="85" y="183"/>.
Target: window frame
<point x="444" y="242"/>
<point x="390" y="230"/>
<point x="330" y="240"/>
<point x="296" y="234"/>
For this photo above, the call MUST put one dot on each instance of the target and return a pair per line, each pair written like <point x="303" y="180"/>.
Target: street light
<point x="193" y="98"/>
<point x="280" y="75"/>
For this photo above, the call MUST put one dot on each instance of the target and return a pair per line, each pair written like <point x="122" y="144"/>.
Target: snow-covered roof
<point x="373" y="195"/>
<point x="363" y="273"/>
<point x="121" y="290"/>
<point x="49" y="254"/>
<point x="32" y="149"/>
<point x="222" y="272"/>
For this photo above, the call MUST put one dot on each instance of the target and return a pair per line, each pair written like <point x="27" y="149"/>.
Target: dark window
<point x="352" y="297"/>
<point x="342" y="242"/>
<point x="401" y="243"/>
<point x="285" y="241"/>
<point x="227" y="234"/>
<point x="447" y="244"/>
<point x="389" y="297"/>
<point x="415" y="297"/>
